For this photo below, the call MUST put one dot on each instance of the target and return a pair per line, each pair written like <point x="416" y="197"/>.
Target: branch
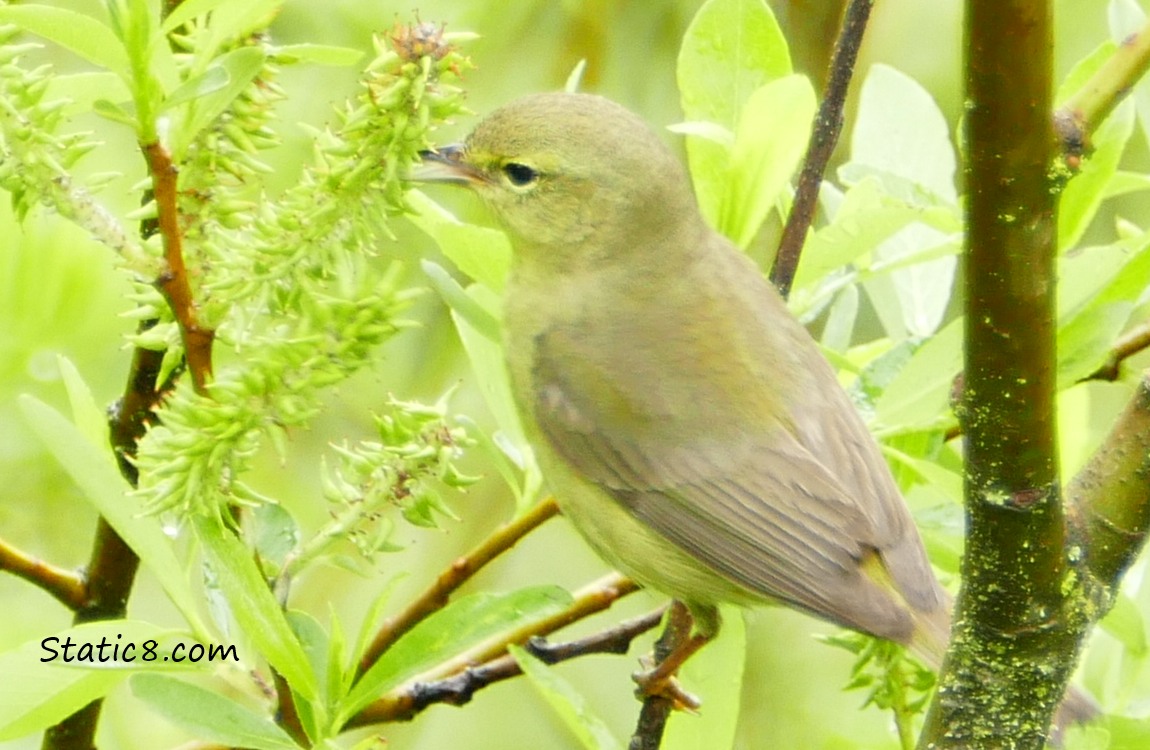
<point x="436" y="596"/>
<point x="111" y="574"/>
<point x="824" y="135"/>
<point x="405" y="703"/>
<point x="112" y="566"/>
<point x="1090" y="105"/>
<point x="1128" y="344"/>
<point x="657" y="708"/>
<point x="66" y="586"/>
<point x="1013" y="646"/>
<point x="173" y="282"/>
<point x="1109" y="499"/>
<point x="416" y="694"/>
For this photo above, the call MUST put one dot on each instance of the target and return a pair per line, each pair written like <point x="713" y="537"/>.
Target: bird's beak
<point x="445" y="164"/>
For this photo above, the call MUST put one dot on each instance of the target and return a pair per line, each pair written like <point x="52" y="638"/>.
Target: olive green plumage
<point x="685" y="421"/>
<point x="687" y="424"/>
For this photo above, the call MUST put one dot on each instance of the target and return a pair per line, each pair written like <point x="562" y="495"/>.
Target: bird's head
<point x="565" y="170"/>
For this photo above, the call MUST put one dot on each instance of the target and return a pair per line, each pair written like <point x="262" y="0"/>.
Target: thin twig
<point x="1075" y="120"/>
<point x="594" y="597"/>
<point x="436" y="596"/>
<point x="824" y="135"/>
<point x="173" y="282"/>
<point x="1128" y="344"/>
<point x="405" y="703"/>
<point x="657" y="708"/>
<point x="65" y="585"/>
<point x="615" y="640"/>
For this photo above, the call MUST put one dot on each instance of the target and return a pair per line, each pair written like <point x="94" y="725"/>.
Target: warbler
<point x="687" y="424"/>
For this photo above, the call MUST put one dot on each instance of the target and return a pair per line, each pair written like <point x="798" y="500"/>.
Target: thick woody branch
<point x="1014" y="643"/>
<point x="1109" y="499"/>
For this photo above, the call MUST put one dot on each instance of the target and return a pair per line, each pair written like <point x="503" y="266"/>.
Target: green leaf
<point x="1124" y="622"/>
<point x="481" y="253"/>
<point x="1127" y="182"/>
<point x="89" y="418"/>
<point x="483" y="319"/>
<point x="231" y="21"/>
<point x="317" y="646"/>
<point x="208" y="715"/>
<point x="35" y="694"/>
<point x="1127" y="17"/>
<point x="1109" y="281"/>
<point x="730" y="50"/>
<point x="772" y="135"/>
<point x="838" y="331"/>
<point x="221" y="84"/>
<point x="113" y="112"/>
<point x="253" y="605"/>
<point x="211" y="80"/>
<point x="709" y="131"/>
<point x="463" y="625"/>
<point x="575" y="77"/>
<point x="82" y="90"/>
<point x="474" y="312"/>
<point x="571" y="707"/>
<point x="321" y="54"/>
<point x="919" y="396"/>
<point x="94" y="471"/>
<point x="918" y="292"/>
<point x="716" y="674"/>
<point x="81" y="34"/>
<point x="1124" y="733"/>
<point x="338" y="680"/>
<point x="865" y="219"/>
<point x="1083" y="195"/>
<point x="188" y="10"/>
<point x="901" y="133"/>
<point x="945" y="482"/>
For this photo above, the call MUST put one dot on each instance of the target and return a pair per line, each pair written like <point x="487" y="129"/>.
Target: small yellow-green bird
<point x="687" y="424"/>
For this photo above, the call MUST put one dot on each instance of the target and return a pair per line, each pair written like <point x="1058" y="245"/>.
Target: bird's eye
<point x="519" y="175"/>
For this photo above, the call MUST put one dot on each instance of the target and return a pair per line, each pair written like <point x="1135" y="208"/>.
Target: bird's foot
<point x="654" y="681"/>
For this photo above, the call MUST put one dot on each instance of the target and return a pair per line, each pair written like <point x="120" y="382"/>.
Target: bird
<point x="686" y="422"/>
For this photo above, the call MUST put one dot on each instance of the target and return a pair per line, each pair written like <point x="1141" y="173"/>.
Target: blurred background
<point x="60" y="294"/>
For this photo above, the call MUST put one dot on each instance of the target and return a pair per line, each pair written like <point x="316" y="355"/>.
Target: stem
<point x="112" y="567"/>
<point x="1128" y="344"/>
<point x="1110" y="496"/>
<point x="824" y="135"/>
<point x="656" y="708"/>
<point x="436" y="596"/>
<point x="594" y="597"/>
<point x="66" y="586"/>
<point x="173" y="282"/>
<point x="405" y="704"/>
<point x="1090" y="105"/>
<point x="1012" y="648"/>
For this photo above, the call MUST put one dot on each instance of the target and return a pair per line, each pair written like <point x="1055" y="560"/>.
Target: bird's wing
<point x="753" y="504"/>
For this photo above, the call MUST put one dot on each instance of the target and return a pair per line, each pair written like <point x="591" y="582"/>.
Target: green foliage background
<point x="61" y="295"/>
